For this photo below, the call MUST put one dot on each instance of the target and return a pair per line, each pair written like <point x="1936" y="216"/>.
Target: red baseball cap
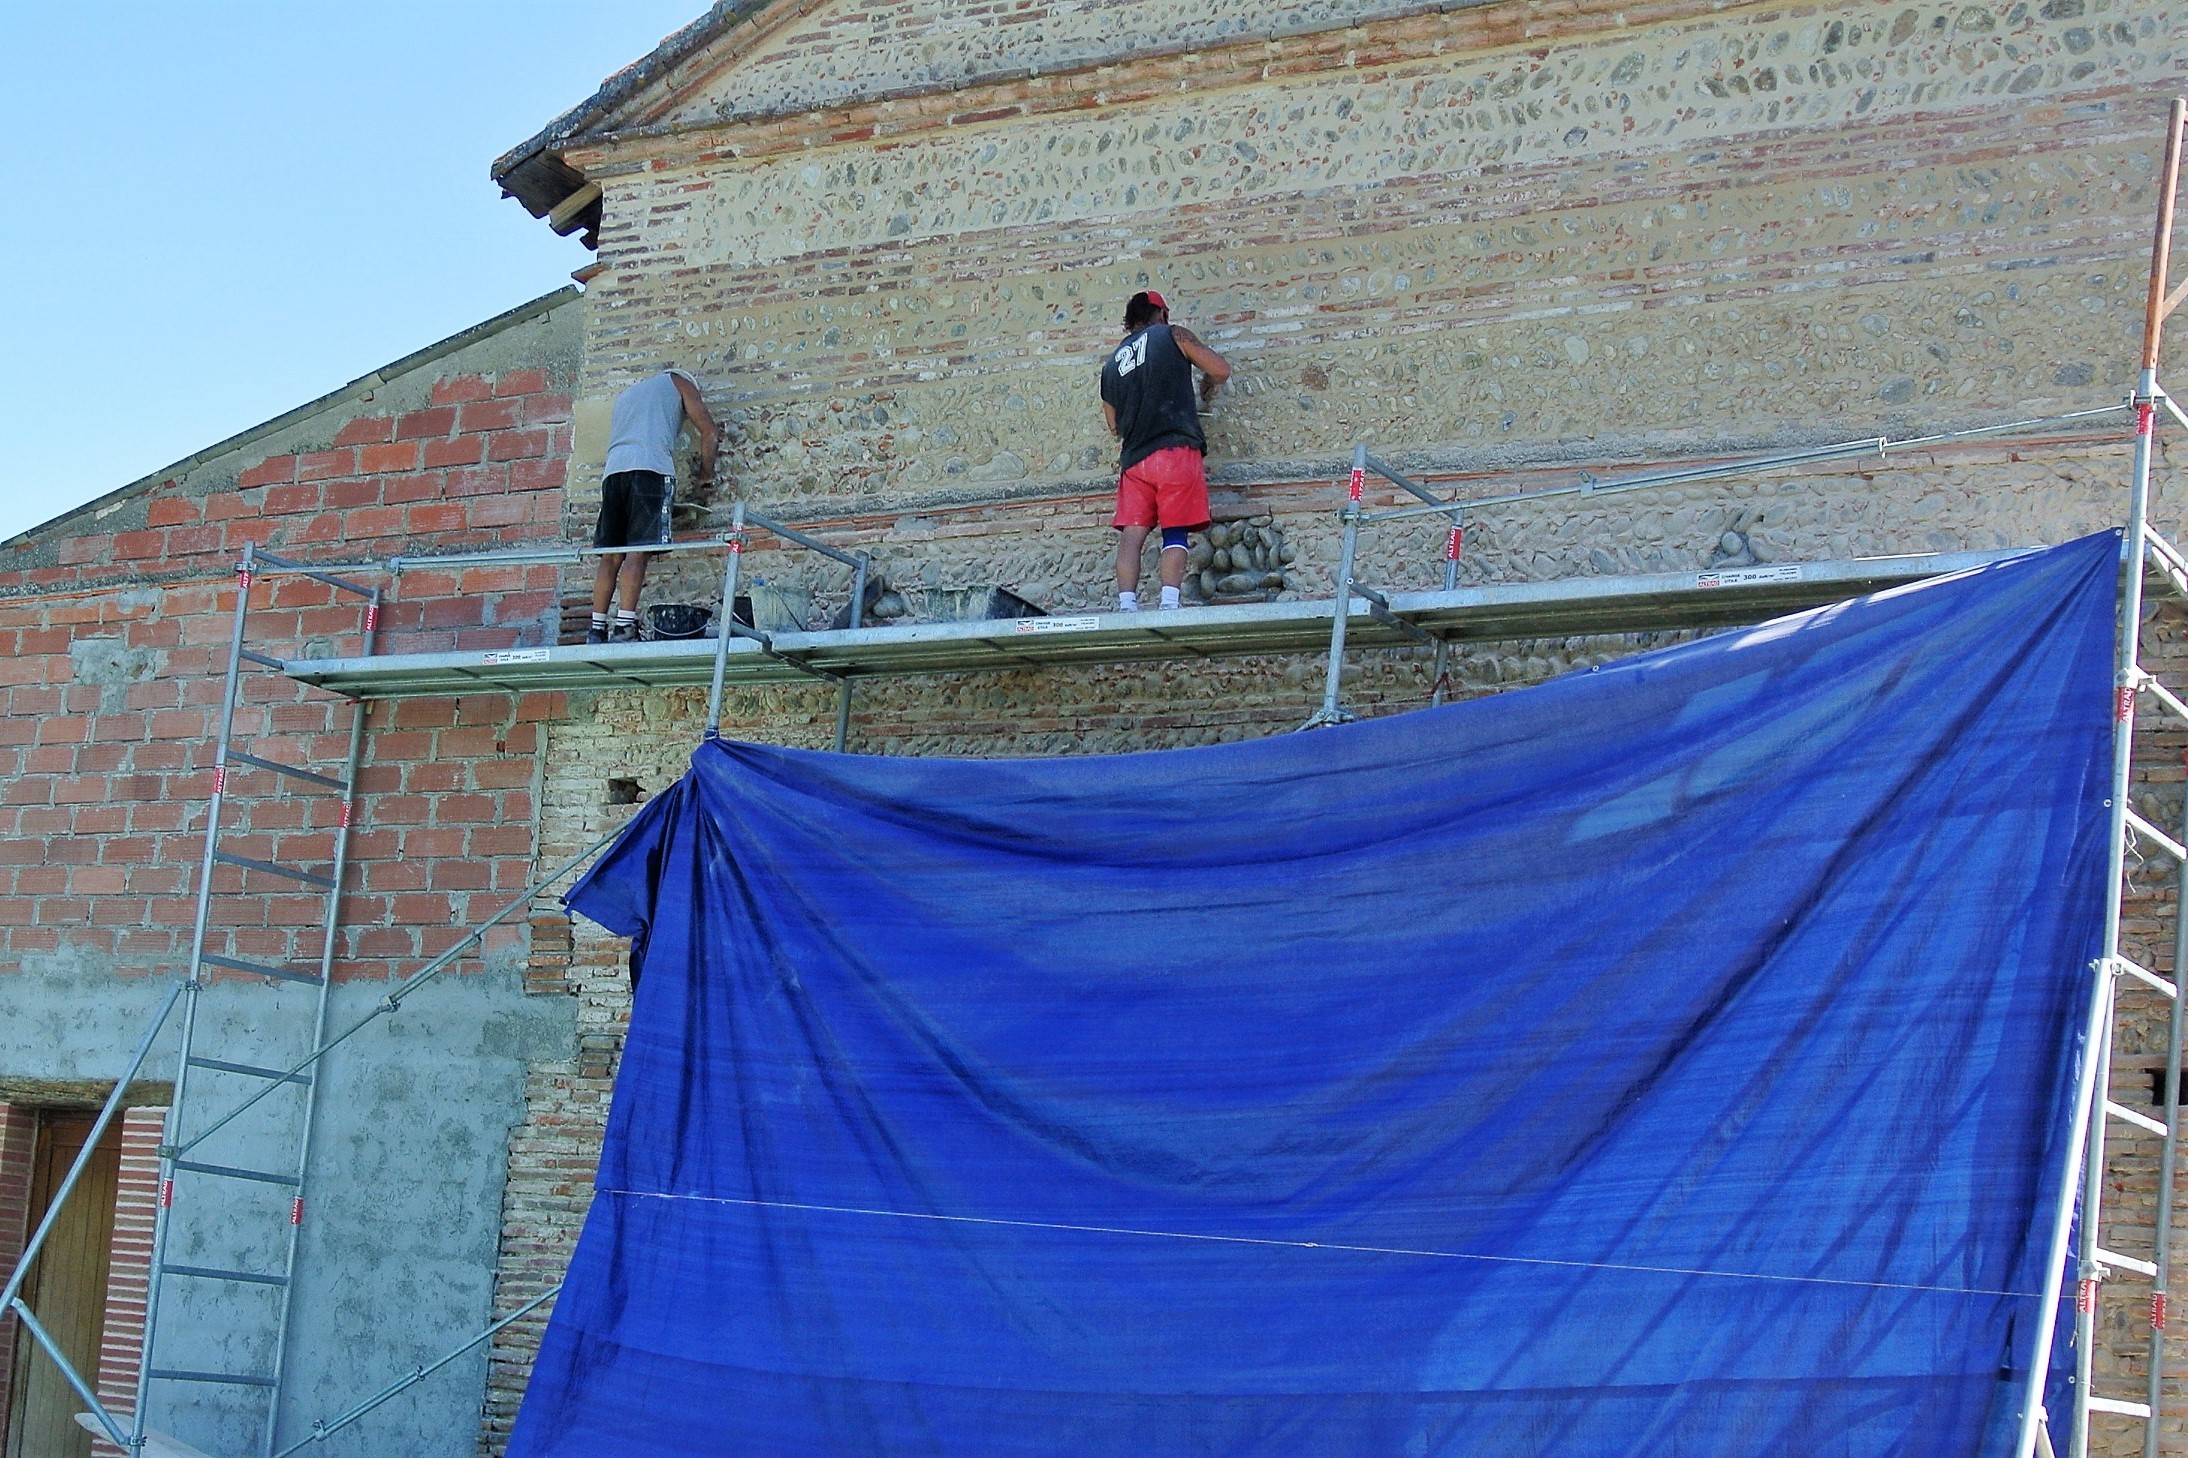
<point x="1158" y="301"/>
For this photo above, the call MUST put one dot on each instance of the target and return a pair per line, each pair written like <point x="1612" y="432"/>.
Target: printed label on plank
<point x="1742" y="576"/>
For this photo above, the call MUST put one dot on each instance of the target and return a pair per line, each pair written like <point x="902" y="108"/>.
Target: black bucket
<point x="678" y="619"/>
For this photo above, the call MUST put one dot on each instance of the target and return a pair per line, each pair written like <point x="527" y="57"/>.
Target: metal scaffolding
<point x="2095" y="1261"/>
<point x="1355" y="616"/>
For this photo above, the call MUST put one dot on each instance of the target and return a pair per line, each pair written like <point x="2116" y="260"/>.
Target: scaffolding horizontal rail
<point x="1568" y="608"/>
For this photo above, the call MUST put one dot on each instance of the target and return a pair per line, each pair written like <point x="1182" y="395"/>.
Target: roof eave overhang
<point x="534" y="173"/>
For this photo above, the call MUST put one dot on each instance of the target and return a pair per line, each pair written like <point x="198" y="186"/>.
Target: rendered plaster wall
<point x="399" y="1235"/>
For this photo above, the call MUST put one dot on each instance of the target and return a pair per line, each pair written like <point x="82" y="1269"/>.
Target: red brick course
<point x="129" y="1267"/>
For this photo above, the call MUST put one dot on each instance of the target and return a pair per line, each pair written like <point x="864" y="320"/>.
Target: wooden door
<point x="66" y="1288"/>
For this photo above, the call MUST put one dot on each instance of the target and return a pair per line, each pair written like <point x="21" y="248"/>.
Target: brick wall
<point x="129" y="1267"/>
<point x="482" y="461"/>
<point x="112" y="655"/>
<point x="18" y="1145"/>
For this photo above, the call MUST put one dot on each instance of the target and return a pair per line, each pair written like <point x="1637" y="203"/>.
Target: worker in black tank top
<point x="1148" y="399"/>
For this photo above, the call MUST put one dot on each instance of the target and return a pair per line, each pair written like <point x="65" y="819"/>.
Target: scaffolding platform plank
<point x="1566" y="608"/>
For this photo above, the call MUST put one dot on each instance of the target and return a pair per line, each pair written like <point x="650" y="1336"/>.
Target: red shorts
<point x="1169" y="488"/>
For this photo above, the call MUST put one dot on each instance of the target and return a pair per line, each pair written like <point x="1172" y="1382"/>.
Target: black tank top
<point x="1149" y="381"/>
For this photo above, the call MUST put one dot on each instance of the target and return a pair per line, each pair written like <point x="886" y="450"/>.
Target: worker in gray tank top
<point x="638" y="490"/>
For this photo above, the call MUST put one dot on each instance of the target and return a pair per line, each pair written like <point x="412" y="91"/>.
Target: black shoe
<point x="623" y="633"/>
<point x="596" y="635"/>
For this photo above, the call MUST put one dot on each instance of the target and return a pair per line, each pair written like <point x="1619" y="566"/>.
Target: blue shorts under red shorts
<point x="1168" y="489"/>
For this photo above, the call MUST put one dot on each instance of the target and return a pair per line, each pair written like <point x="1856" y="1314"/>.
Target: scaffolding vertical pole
<point x="2168" y="1150"/>
<point x="843" y="690"/>
<point x="1453" y="546"/>
<point x="2096" y="1051"/>
<point x="328" y="931"/>
<point x="1331" y="711"/>
<point x="193" y="984"/>
<point x="2086" y="1141"/>
<point x="2033" y="1419"/>
<point x="2155" y="307"/>
<point x="735" y="542"/>
<point x="2089" y="1272"/>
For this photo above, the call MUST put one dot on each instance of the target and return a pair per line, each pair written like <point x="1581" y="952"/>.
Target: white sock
<point x="624" y="617"/>
<point x="1128" y="602"/>
<point x="1169" y="597"/>
<point x="600" y="621"/>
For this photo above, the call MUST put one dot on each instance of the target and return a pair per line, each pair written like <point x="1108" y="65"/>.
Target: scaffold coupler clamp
<point x="2093" y="1275"/>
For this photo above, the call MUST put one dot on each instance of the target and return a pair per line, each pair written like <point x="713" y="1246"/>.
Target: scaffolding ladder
<point x="2097" y="1238"/>
<point x="229" y="1223"/>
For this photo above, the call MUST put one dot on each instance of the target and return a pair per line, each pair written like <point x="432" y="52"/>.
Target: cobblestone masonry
<point x="1453" y="254"/>
<point x="1504" y="244"/>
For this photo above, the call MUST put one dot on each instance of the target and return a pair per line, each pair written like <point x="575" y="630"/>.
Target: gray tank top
<point x="642" y="432"/>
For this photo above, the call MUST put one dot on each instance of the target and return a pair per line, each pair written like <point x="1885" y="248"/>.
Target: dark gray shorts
<point x="634" y="510"/>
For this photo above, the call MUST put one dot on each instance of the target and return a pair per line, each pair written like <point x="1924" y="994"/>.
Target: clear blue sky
<point x="217" y="212"/>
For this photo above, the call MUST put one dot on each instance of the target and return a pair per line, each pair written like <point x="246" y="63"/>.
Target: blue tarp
<point x="1671" y="1059"/>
